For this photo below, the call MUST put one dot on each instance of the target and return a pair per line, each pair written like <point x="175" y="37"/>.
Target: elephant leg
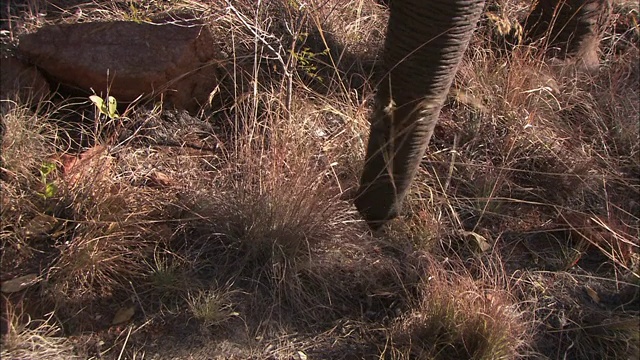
<point x="572" y="27"/>
<point x="424" y="45"/>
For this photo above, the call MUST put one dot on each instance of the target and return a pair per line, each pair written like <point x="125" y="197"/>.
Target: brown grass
<point x="458" y="317"/>
<point x="230" y="233"/>
<point x="27" y="338"/>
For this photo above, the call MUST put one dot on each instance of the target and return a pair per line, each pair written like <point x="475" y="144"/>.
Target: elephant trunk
<point x="424" y="45"/>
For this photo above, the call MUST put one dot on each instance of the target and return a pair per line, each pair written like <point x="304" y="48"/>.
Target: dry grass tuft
<point x="458" y="317"/>
<point x="211" y="307"/>
<point x="27" y="141"/>
<point x="107" y="237"/>
<point x="260" y="227"/>
<point x="576" y="316"/>
<point x="28" y="144"/>
<point x="519" y="238"/>
<point x="33" y="339"/>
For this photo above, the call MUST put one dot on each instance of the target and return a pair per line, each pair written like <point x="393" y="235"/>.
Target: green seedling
<point x="50" y="188"/>
<point x="110" y="108"/>
<point x="305" y="61"/>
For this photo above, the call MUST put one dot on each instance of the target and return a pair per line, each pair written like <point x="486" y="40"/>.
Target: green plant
<point x="167" y="274"/>
<point x="108" y="108"/>
<point x="305" y="60"/>
<point x="50" y="189"/>
<point x="211" y="307"/>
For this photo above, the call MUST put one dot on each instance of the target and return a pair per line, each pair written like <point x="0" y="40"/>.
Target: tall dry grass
<point x="234" y="229"/>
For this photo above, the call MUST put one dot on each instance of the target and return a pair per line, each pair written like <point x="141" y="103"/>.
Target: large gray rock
<point x="139" y="58"/>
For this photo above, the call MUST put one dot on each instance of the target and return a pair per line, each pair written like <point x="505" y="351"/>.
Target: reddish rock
<point x="19" y="81"/>
<point x="139" y="58"/>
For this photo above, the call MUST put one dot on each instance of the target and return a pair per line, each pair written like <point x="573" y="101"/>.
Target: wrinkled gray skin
<point x="572" y="28"/>
<point x="424" y="45"/>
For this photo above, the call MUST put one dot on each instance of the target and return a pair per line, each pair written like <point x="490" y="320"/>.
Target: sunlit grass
<point x="521" y="227"/>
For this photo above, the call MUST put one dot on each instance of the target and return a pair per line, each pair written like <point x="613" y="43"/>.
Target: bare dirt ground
<point x="230" y="233"/>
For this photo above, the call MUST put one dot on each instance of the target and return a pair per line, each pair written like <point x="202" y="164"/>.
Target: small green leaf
<point x="50" y="190"/>
<point x="113" y="108"/>
<point x="110" y="109"/>
<point x="47" y="168"/>
<point x="97" y="101"/>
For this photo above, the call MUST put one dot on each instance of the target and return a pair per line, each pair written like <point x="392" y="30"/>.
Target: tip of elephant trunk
<point x="376" y="207"/>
